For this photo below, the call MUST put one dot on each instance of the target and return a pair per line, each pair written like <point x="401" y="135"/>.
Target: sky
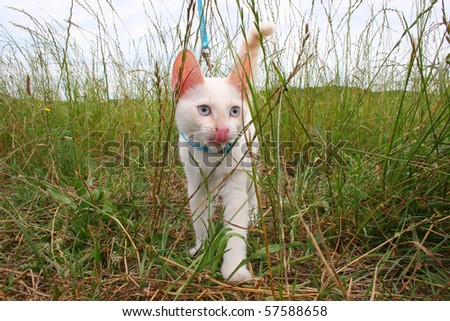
<point x="133" y="22"/>
<point x="133" y="17"/>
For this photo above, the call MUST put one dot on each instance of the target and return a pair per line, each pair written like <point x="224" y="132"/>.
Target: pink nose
<point x="222" y="135"/>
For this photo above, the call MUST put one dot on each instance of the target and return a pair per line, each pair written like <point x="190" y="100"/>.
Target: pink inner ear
<point x="240" y="76"/>
<point x="186" y="73"/>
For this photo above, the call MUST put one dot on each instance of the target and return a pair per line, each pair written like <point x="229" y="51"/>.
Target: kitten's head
<point x="210" y="111"/>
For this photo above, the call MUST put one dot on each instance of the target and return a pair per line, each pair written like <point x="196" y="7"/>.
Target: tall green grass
<point x="353" y="179"/>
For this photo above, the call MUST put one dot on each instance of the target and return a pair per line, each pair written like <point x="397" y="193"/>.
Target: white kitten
<point x="217" y="141"/>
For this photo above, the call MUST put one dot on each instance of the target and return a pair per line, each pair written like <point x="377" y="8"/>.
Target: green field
<point x="354" y="188"/>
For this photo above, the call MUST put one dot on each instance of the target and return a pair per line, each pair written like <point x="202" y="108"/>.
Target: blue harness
<point x="205" y="149"/>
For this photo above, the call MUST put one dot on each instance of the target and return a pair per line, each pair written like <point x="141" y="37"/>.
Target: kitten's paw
<point x="195" y="250"/>
<point x="241" y="275"/>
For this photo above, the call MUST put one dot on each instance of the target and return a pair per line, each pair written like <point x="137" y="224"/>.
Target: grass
<point x="353" y="181"/>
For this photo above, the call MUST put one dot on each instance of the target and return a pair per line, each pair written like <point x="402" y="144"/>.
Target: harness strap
<point x="205" y="149"/>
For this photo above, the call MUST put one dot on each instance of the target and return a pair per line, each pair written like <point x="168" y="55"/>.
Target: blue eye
<point x="235" y="111"/>
<point x="204" y="110"/>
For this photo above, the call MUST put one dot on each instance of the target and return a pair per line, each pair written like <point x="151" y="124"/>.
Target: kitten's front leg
<point x="201" y="208"/>
<point x="236" y="216"/>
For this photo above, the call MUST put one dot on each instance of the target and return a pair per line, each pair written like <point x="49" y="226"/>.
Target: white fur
<point x="230" y="177"/>
<point x="212" y="174"/>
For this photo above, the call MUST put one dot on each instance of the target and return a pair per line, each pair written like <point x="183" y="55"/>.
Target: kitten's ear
<point x="241" y="75"/>
<point x="186" y="73"/>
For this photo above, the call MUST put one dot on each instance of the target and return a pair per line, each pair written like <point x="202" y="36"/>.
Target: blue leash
<point x="203" y="33"/>
<point x="206" y="52"/>
<point x="205" y="149"/>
